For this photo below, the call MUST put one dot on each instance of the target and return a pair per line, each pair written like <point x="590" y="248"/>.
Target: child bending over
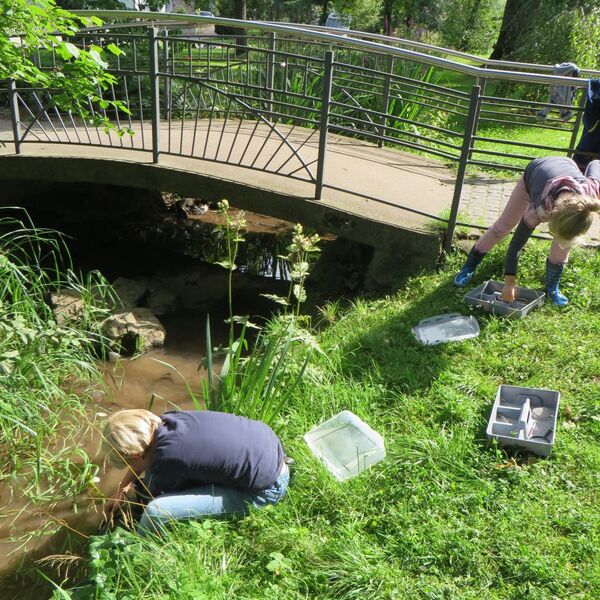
<point x="552" y="190"/>
<point x="196" y="463"/>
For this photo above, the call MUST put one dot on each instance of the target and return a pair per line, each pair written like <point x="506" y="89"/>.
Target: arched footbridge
<point x="376" y="139"/>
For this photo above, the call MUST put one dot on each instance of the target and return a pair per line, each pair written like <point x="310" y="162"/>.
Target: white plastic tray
<point x="346" y="445"/>
<point x="452" y="327"/>
<point x="489" y="297"/>
<point x="524" y="418"/>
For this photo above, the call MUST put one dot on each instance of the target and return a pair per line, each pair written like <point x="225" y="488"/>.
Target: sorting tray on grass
<point x="451" y="327"/>
<point x="489" y="297"/>
<point x="346" y="445"/>
<point x="524" y="418"/>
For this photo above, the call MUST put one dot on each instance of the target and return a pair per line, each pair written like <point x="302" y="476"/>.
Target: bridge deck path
<point x="382" y="184"/>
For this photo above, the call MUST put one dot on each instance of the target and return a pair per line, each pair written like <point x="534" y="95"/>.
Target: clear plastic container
<point x="346" y="445"/>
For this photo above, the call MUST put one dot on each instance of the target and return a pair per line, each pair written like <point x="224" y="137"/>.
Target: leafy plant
<point x="233" y="228"/>
<point x="77" y="75"/>
<point x="42" y="363"/>
<point x="259" y="384"/>
<point x="301" y="253"/>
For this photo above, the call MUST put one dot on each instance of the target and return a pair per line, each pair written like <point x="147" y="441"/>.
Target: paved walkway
<point x="382" y="184"/>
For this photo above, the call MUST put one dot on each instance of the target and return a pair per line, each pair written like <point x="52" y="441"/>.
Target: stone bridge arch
<point x="397" y="249"/>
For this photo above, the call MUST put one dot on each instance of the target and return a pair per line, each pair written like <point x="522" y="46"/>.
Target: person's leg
<point x="207" y="501"/>
<point x="555" y="264"/>
<point x="510" y="217"/>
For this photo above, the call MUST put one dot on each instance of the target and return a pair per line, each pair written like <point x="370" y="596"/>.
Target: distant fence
<point x="267" y="96"/>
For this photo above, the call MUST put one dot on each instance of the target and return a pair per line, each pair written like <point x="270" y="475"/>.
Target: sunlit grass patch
<point x="447" y="514"/>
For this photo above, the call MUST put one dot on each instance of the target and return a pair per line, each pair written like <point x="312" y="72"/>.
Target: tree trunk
<point x="388" y="15"/>
<point x="324" y="11"/>
<point x="241" y="40"/>
<point x="519" y="16"/>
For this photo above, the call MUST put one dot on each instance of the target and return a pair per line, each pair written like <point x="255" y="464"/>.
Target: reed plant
<point x="256" y="379"/>
<point x="45" y="362"/>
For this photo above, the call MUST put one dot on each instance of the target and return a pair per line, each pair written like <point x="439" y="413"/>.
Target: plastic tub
<point x="452" y="327"/>
<point x="346" y="445"/>
<point x="489" y="297"/>
<point x="524" y="418"/>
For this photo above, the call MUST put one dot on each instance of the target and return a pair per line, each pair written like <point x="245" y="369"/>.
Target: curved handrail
<point x="387" y="40"/>
<point x="442" y="50"/>
<point x="325" y="36"/>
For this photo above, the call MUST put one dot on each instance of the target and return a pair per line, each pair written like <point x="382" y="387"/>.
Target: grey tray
<point x="451" y="327"/>
<point x="524" y="418"/>
<point x="488" y="296"/>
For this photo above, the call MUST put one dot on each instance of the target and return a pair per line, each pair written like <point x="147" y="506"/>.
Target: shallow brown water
<point x="157" y="379"/>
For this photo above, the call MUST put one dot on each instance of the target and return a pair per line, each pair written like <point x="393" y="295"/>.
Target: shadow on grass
<point x="389" y="353"/>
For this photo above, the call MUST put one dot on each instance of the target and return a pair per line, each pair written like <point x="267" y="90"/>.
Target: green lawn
<point x="446" y="515"/>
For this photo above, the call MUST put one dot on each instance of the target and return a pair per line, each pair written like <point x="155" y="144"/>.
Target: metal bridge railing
<point x="268" y="99"/>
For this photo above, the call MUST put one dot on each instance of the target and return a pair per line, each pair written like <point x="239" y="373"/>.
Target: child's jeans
<point x="510" y="217"/>
<point x="208" y="501"/>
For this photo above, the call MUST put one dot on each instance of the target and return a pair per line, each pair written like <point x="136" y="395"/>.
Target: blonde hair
<point x="572" y="216"/>
<point x="128" y="433"/>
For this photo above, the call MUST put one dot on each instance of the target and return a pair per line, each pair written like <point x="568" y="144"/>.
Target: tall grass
<point x="44" y="360"/>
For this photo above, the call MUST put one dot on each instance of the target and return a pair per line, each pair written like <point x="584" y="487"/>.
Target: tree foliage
<point x="472" y="25"/>
<point x="90" y="4"/>
<point x="408" y="16"/>
<point x="79" y="74"/>
<point x="365" y="15"/>
<point x="551" y="31"/>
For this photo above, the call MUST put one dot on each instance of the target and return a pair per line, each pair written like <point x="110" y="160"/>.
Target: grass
<point x="46" y="366"/>
<point x="446" y="515"/>
<point x="515" y="136"/>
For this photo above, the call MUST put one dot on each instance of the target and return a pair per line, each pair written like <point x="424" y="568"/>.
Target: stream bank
<point x="165" y="245"/>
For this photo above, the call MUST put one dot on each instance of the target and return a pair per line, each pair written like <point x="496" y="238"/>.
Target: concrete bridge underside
<point x="376" y="196"/>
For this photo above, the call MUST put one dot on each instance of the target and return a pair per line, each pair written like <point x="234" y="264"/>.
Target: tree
<point x="409" y="15"/>
<point x="26" y="26"/>
<point x="550" y="32"/>
<point x="472" y="25"/>
<point x="234" y="9"/>
<point x="517" y="19"/>
<point x="365" y="15"/>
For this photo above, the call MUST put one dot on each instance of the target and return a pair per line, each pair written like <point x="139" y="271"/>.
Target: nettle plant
<point x="258" y="381"/>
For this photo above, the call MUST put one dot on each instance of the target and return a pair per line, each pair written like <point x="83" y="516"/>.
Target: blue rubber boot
<point x="553" y="275"/>
<point x="466" y="273"/>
